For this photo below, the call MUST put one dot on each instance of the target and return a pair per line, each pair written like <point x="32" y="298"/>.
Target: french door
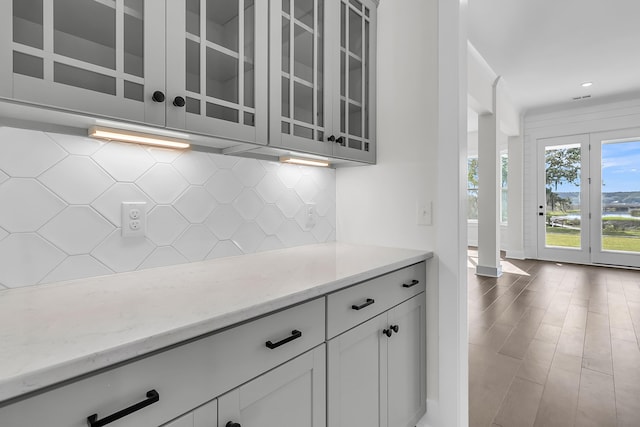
<point x="563" y="199"/>
<point x="615" y="168"/>
<point x="589" y="198"/>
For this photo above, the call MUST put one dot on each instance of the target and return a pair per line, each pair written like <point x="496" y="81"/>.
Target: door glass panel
<point x="249" y="56"/>
<point x="354" y="73"/>
<point x="220" y="66"/>
<point x="92" y="39"/>
<point x="355" y="33"/>
<point x="303" y="103"/>
<point x="562" y="181"/>
<point x="304" y="45"/>
<point x="222" y="76"/>
<point x="620" y="221"/>
<point x="84" y="79"/>
<point x="28" y="65"/>
<point x="133" y="37"/>
<point x="193" y="66"/>
<point x="133" y="91"/>
<point x="303" y="11"/>
<point x="303" y="54"/>
<point x="222" y="23"/>
<point x="193" y="105"/>
<point x="27" y="22"/>
<point x="221" y="112"/>
<point x="193" y="17"/>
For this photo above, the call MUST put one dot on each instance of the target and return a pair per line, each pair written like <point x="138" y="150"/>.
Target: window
<point x="504" y="166"/>
<point x="472" y="188"/>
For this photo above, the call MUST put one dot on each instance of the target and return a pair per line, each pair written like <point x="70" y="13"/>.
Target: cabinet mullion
<point x="314" y="64"/>
<point x="203" y="57"/>
<point x="363" y="76"/>
<point x="120" y="53"/>
<point x="241" y="60"/>
<point x="47" y="40"/>
<point x="292" y="71"/>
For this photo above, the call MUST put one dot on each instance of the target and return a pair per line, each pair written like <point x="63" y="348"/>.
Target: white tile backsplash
<point x="27" y="154"/>
<point x="78" y="180"/>
<point x="61" y="196"/>
<point x="26" y="205"/>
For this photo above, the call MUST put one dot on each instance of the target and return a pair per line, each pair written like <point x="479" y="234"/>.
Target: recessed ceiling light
<point x="586" y="84"/>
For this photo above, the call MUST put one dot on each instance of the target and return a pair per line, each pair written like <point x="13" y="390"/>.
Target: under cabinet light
<point x="305" y="162"/>
<point x="136" y="137"/>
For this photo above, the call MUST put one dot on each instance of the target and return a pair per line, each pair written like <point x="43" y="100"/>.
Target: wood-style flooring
<point x="554" y="344"/>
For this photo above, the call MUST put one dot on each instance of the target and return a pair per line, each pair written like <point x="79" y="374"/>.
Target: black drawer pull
<point x="152" y="397"/>
<point x="387" y="332"/>
<point x="412" y="284"/>
<point x="394" y="328"/>
<point x="363" y="305"/>
<point x="232" y="424"/>
<point x="295" y="334"/>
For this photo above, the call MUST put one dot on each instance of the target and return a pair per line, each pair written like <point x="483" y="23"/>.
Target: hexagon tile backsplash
<point x="61" y="195"/>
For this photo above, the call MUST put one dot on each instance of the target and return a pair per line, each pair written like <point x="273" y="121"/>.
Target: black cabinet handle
<point x="232" y="424"/>
<point x="363" y="305"/>
<point x="158" y="96"/>
<point x="387" y="332"/>
<point x="340" y="140"/>
<point x="410" y="285"/>
<point x="295" y="334"/>
<point x="179" y="101"/>
<point x="394" y="328"/>
<point x="152" y="397"/>
<point x="331" y="139"/>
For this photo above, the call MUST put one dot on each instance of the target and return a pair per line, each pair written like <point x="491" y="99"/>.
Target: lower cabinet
<point x="376" y="371"/>
<point x="293" y="394"/>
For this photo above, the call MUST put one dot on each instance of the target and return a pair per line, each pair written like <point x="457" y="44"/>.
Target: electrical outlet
<point x="312" y="216"/>
<point x="134" y="219"/>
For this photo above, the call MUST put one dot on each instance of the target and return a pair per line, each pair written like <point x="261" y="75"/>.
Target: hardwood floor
<point x="554" y="344"/>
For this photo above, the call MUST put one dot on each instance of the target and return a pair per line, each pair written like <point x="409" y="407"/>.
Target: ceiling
<point x="545" y="49"/>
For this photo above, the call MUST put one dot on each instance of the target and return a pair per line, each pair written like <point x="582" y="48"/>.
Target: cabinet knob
<point x="331" y="138"/>
<point x="387" y="332"/>
<point x="158" y="96"/>
<point x="232" y="424"/>
<point x="394" y="328"/>
<point x="179" y="101"/>
<point x="340" y="141"/>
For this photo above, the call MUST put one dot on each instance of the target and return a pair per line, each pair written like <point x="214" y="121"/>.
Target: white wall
<point x="61" y="195"/>
<point x="421" y="135"/>
<point x="582" y="117"/>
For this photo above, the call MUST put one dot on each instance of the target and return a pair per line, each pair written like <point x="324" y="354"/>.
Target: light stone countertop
<point x="52" y="333"/>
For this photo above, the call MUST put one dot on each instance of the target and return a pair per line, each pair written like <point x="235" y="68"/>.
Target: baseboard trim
<point x="489" y="271"/>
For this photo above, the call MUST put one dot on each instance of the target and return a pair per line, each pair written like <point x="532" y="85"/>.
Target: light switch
<point x="424" y="213"/>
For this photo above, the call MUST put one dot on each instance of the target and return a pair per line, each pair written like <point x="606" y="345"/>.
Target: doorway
<point x="589" y="198"/>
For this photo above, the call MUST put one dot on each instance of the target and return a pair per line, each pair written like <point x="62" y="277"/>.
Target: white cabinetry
<point x="195" y="65"/>
<point x="352" y="358"/>
<point x="377" y="369"/>
<point x="322" y="71"/>
<point x="293" y="394"/>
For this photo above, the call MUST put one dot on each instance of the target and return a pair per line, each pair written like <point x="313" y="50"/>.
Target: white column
<point x="489" y="191"/>
<point x="515" y="248"/>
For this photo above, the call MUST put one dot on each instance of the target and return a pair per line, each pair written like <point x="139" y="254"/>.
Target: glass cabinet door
<point x="356" y="108"/>
<point x="85" y="55"/>
<point x="216" y="67"/>
<point x="299" y="100"/>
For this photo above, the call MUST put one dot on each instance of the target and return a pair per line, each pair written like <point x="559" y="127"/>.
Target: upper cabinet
<point x="294" y="74"/>
<point x="194" y="65"/>
<point x="322" y="77"/>
<point x="217" y="54"/>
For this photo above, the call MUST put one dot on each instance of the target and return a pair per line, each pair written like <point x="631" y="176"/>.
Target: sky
<point x="620" y="168"/>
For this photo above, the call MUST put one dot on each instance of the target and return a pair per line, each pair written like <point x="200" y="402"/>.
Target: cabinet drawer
<point x="352" y="306"/>
<point x="184" y="377"/>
